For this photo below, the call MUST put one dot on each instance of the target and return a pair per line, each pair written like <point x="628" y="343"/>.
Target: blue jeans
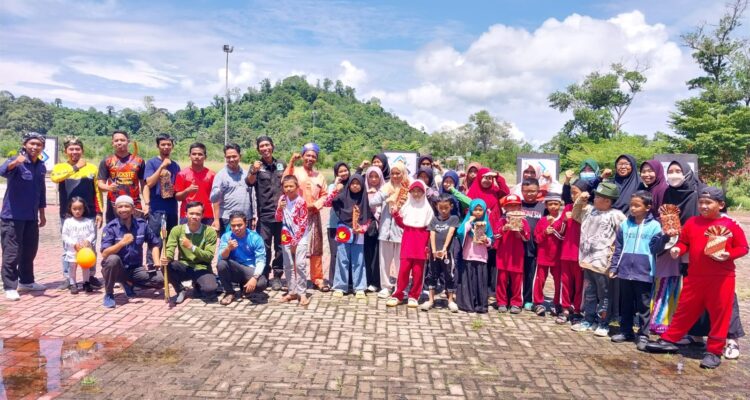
<point x="595" y="297"/>
<point x="350" y="254"/>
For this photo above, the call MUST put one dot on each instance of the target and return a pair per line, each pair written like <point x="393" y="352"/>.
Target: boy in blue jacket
<point x="638" y="240"/>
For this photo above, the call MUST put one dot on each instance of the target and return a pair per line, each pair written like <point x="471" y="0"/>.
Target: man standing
<point x="265" y="178"/>
<point x="230" y="190"/>
<point x="122" y="251"/>
<point x="242" y="259"/>
<point x="313" y="186"/>
<point x="22" y="215"/>
<point x="197" y="243"/>
<point x="194" y="184"/>
<point x="77" y="178"/>
<point x="122" y="174"/>
<point x="160" y="175"/>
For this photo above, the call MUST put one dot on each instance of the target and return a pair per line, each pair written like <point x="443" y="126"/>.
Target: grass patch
<point x="477" y="324"/>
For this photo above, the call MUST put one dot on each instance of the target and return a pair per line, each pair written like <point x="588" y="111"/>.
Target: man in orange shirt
<point x="313" y="185"/>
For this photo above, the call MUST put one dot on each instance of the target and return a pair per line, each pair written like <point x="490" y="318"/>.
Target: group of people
<point x="601" y="237"/>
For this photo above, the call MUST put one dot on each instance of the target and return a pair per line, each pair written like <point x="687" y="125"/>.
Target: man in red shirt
<point x="709" y="283"/>
<point x="194" y="184"/>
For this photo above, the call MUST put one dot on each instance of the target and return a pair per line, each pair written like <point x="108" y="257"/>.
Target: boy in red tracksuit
<point x="548" y="237"/>
<point x="709" y="283"/>
<point x="509" y="257"/>
<point x="571" y="274"/>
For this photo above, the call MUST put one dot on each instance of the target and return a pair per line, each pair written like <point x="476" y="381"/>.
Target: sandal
<point x="323" y="286"/>
<point x="732" y="350"/>
<point x="288" y="297"/>
<point x="227" y="299"/>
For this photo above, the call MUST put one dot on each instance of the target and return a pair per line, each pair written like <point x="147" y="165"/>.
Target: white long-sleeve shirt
<point x="75" y="231"/>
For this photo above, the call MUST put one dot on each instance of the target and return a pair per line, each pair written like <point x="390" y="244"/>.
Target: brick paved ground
<point x="334" y="348"/>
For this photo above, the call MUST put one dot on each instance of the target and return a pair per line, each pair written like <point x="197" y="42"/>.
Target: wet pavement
<point x="69" y="347"/>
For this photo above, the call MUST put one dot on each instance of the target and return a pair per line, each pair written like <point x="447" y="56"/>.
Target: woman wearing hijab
<point x="426" y="161"/>
<point x="350" y="235"/>
<point x="390" y="234"/>
<point x="373" y="182"/>
<point x="471" y="174"/>
<point x="627" y="180"/>
<point x="450" y="180"/>
<point x="588" y="172"/>
<point x="342" y="172"/>
<point x="425" y="174"/>
<point x="378" y="160"/>
<point x="654" y="182"/>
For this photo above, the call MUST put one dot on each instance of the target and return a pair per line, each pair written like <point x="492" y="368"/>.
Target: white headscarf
<point x="417" y="213"/>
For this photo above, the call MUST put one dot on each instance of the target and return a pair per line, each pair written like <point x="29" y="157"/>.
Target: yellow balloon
<point x="86" y="257"/>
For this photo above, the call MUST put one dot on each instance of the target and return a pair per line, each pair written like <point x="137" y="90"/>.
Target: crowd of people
<point x="652" y="251"/>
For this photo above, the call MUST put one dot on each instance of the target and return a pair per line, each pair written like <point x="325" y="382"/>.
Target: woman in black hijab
<point x="380" y="160"/>
<point x="627" y="180"/>
<point x="350" y="254"/>
<point x="683" y="189"/>
<point x="340" y="170"/>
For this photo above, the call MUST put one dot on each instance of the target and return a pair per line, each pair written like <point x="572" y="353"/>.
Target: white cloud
<point x="130" y="71"/>
<point x="21" y="73"/>
<point x="351" y="75"/>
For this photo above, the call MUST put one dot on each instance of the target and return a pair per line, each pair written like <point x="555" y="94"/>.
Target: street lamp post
<point x="227" y="49"/>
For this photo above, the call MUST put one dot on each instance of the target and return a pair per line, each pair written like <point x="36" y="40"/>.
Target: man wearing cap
<point x="77" y="178"/>
<point x="313" y="186"/>
<point x="22" y="215"/>
<point x="265" y="177"/>
<point x="710" y="281"/>
<point x="122" y="252"/>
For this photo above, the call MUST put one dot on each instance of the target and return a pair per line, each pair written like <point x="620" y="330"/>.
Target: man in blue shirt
<point x="22" y="215"/>
<point x="160" y="174"/>
<point x="122" y="251"/>
<point x="242" y="259"/>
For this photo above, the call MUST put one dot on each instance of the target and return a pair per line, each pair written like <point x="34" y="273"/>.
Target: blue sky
<point x="432" y="63"/>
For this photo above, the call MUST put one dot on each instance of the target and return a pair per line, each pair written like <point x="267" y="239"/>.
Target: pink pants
<point x="414" y="268"/>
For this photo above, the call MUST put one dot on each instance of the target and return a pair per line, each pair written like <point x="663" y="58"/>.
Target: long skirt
<point x="664" y="298"/>
<point x="471" y="295"/>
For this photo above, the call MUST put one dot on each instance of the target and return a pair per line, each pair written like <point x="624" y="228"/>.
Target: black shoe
<point x="73" y="288"/>
<point x="661" y="346"/>
<point x="87" y="287"/>
<point x="540" y="310"/>
<point x="276" y="284"/>
<point x="95" y="282"/>
<point x="623" y="337"/>
<point x="710" y="361"/>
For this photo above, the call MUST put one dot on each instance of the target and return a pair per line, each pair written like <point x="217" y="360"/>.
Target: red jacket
<point x="693" y="240"/>
<point x="571" y="237"/>
<point x="414" y="240"/>
<point x="549" y="246"/>
<point x="509" y="244"/>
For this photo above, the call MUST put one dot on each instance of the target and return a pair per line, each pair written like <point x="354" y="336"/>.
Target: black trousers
<point x="271" y="234"/>
<point x="491" y="269"/>
<point x="204" y="279"/>
<point x="154" y="224"/>
<point x="635" y="301"/>
<point x="231" y="272"/>
<point x="333" y="246"/>
<point x="20" y="242"/>
<point x="529" y="272"/>
<point x="114" y="270"/>
<point x="372" y="259"/>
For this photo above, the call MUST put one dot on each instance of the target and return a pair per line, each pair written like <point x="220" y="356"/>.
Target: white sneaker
<point x="452" y="306"/>
<point x="12" y="295"/>
<point x="426" y="306"/>
<point x="732" y="350"/>
<point x="31" y="287"/>
<point x="602" y="331"/>
<point x="372" y="289"/>
<point x="384" y="294"/>
<point x="413" y="303"/>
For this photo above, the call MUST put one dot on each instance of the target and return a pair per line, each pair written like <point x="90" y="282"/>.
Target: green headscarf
<point x="591" y="163"/>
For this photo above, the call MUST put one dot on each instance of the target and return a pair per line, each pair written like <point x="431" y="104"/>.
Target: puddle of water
<point x="33" y="367"/>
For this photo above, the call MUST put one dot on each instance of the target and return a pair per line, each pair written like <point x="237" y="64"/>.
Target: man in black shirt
<point x="265" y="176"/>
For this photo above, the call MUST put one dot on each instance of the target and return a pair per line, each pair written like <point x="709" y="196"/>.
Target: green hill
<point x="345" y="127"/>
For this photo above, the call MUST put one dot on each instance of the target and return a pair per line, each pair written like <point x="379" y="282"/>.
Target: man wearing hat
<point x="122" y="252"/>
<point x="599" y="225"/>
<point x="265" y="176"/>
<point x="314" y="190"/>
<point x="22" y="215"/>
<point x="710" y="282"/>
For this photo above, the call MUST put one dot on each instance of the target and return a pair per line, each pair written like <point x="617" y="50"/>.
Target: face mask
<point x="589" y="176"/>
<point x="675" y="180"/>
